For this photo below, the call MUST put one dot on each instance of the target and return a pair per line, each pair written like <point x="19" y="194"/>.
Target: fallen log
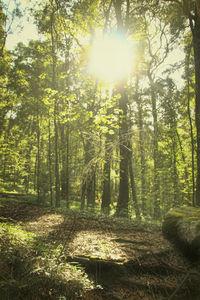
<point x="103" y="270"/>
<point x="181" y="226"/>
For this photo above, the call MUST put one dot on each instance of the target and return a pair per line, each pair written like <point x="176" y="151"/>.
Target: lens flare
<point x="111" y="58"/>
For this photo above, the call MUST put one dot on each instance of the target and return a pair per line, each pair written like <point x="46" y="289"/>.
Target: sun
<point x="111" y="57"/>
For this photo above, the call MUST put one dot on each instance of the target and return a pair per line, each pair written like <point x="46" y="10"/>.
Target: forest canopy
<point x="102" y="111"/>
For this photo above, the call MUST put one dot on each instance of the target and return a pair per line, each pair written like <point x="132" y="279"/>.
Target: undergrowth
<point x="32" y="268"/>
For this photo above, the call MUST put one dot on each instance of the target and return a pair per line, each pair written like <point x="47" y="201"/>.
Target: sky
<point x="28" y="33"/>
<point x="23" y="29"/>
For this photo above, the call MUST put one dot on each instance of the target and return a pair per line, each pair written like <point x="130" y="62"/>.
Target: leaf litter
<point x="125" y="260"/>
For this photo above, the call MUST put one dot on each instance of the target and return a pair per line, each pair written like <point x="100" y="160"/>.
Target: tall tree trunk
<point x="67" y="167"/>
<point x="106" y="195"/>
<point x="156" y="187"/>
<point x="50" y="164"/>
<point x="190" y="121"/>
<point x="89" y="149"/>
<point x="63" y="161"/>
<point x="90" y="180"/>
<point x="195" y="28"/>
<point x="35" y="175"/>
<point x="57" y="178"/>
<point x="28" y="169"/>
<point x="38" y="157"/>
<point x="123" y="200"/>
<point x="142" y="152"/>
<point x="133" y="186"/>
<point x="174" y="169"/>
<point x="192" y="146"/>
<point x="185" y="168"/>
<point x="53" y="54"/>
<point x="83" y="189"/>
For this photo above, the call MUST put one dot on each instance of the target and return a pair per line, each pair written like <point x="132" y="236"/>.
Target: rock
<point x="181" y="226"/>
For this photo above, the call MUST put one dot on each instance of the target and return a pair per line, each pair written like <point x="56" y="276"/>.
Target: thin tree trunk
<point x="67" y="167"/>
<point x="133" y="186"/>
<point x="83" y="190"/>
<point x="142" y="152"/>
<point x="63" y="161"/>
<point x="184" y="161"/>
<point x="88" y="182"/>
<point x="57" y="179"/>
<point x="38" y="157"/>
<point x="123" y="200"/>
<point x="35" y="175"/>
<point x="50" y="164"/>
<point x="191" y="125"/>
<point x="156" y="187"/>
<point x="192" y="146"/>
<point x="106" y="195"/>
<point x="174" y="171"/>
<point x="90" y="154"/>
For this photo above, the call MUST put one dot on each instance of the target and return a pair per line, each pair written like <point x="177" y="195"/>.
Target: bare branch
<point x="182" y="283"/>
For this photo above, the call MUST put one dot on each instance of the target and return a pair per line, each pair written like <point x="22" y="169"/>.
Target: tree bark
<point x="90" y="180"/>
<point x="63" y="161"/>
<point x="174" y="169"/>
<point x="142" y="152"/>
<point x="123" y="200"/>
<point x="156" y="187"/>
<point x="192" y="141"/>
<point x="133" y="187"/>
<point x="53" y="54"/>
<point x="67" y="167"/>
<point x="106" y="196"/>
<point x="195" y="27"/>
<point x="38" y="157"/>
<point x="50" y="164"/>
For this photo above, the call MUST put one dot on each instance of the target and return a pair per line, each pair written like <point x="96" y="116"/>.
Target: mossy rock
<point x="181" y="226"/>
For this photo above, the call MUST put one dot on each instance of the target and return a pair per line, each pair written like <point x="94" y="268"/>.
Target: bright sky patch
<point x="111" y="58"/>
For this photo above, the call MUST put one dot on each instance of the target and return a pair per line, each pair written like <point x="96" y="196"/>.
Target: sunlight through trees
<point x="91" y="115"/>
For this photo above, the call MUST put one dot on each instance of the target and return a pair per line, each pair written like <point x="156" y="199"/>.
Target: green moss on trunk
<point x="181" y="226"/>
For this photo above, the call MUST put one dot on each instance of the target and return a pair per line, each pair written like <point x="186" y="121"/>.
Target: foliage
<point x="61" y="128"/>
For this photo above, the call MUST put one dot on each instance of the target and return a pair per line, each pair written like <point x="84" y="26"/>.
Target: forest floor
<point x="119" y="259"/>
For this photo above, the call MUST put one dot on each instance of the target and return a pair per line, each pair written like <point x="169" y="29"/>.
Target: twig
<point x="182" y="283"/>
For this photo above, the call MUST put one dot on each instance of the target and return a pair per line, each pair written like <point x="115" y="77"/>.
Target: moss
<point x="185" y="212"/>
<point x="170" y="226"/>
<point x="190" y="219"/>
<point x="182" y="227"/>
<point x="198" y="226"/>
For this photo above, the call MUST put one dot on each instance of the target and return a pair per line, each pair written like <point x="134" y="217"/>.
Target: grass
<point x="34" y="269"/>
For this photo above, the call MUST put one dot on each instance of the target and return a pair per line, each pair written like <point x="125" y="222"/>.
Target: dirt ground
<point x="126" y="260"/>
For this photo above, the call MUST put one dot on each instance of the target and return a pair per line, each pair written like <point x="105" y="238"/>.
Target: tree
<point x="122" y="205"/>
<point x="190" y="9"/>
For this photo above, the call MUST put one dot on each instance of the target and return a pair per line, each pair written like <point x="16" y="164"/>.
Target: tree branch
<point x="182" y="283"/>
<point x="127" y="14"/>
<point x="107" y="15"/>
